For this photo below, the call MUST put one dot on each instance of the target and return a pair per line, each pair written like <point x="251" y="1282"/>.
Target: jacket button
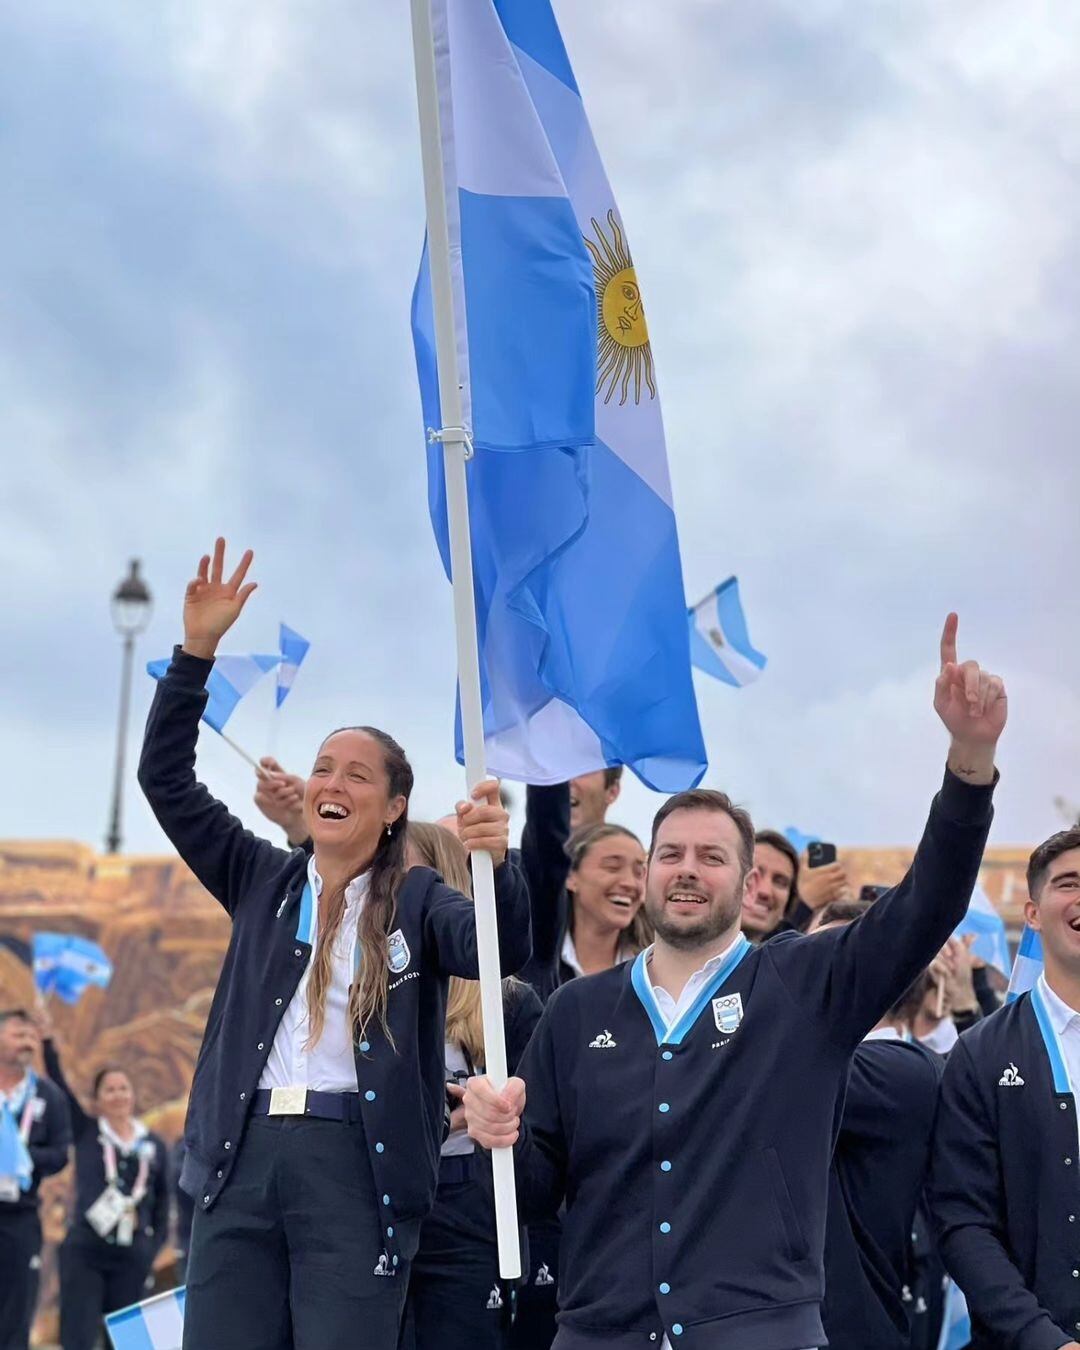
<point x="298" y="952"/>
<point x="277" y="1003"/>
<point x="386" y="1199"/>
<point x="389" y="1232"/>
<point x="243" y="1096"/>
<point x="665" y="1166"/>
<point x="664" y="1108"/>
<point x="665" y="1288"/>
<point x="364" y="1047"/>
<point x="206" y="1199"/>
<point x="262" y="1045"/>
<point x="1064" y="1106"/>
<point x="381" y="1148"/>
<point x="1076" y="1274"/>
<point x="666" y="1055"/>
<point x="676" y="1328"/>
<point x="369" y="1096"/>
<point x="665" y="1227"/>
<point x="1072" y="1218"/>
<point x="393" y="1260"/>
<point x="220" y="1172"/>
<point x="228" y="1143"/>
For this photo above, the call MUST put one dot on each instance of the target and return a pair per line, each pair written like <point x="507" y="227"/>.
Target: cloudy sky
<point x="857" y="227"/>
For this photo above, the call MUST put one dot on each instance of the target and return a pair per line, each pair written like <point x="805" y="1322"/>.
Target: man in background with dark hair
<point x="685" y="1106"/>
<point x="769" y="901"/>
<point x="592" y="794"/>
<point x="1006" y="1172"/>
<point x="35" y="1136"/>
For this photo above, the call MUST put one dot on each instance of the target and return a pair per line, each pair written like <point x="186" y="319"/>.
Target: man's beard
<point x="715" y="920"/>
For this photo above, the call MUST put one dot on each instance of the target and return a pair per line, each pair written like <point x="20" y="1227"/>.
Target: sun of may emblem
<point x="624" y="351"/>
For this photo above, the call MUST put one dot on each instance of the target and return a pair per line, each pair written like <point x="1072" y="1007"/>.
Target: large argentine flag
<point x="584" y="650"/>
<point x="157" y="1324"/>
<point x="719" y="640"/>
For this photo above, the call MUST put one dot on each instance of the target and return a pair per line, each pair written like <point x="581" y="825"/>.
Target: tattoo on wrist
<point x="963" y="771"/>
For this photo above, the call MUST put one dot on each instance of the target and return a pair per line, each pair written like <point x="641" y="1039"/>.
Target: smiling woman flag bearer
<point x="316" y="1111"/>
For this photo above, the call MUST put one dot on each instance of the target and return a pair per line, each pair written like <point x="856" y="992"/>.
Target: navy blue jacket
<point x="403" y="1086"/>
<point x="153" y="1213"/>
<point x="545" y="862"/>
<point x="1005" y="1185"/>
<point x="876" y="1180"/>
<point x="49" y="1143"/>
<point x="694" y="1162"/>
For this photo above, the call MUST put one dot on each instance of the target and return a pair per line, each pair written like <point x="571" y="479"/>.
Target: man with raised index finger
<point x="685" y="1107"/>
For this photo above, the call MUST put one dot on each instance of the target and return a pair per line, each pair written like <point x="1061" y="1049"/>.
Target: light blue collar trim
<point x="674" y="1034"/>
<point x="1051" y="1041"/>
<point x="305" y="925"/>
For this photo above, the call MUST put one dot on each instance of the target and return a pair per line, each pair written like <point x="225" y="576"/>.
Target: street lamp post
<point x="131" y="605"/>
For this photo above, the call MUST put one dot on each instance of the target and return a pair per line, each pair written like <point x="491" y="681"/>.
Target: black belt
<point x="457" y="1167"/>
<point x="344" y="1106"/>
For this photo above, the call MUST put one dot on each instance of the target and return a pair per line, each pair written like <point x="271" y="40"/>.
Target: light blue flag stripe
<point x="293" y="649"/>
<point x="156" y="1324"/>
<point x="584" y="649"/>
<point x="1028" y="964"/>
<point x="231" y="678"/>
<point x="986" y="924"/>
<point x="719" y="639"/>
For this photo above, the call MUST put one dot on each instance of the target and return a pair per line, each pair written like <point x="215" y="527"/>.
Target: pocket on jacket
<point x="789" y="1219"/>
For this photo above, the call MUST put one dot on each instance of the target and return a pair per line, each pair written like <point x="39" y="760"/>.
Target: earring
<point x="389" y="832"/>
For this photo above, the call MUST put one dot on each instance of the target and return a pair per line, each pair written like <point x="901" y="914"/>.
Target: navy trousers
<point x="20" y="1261"/>
<point x="534" y="1323"/>
<point x="286" y="1259"/>
<point x="96" y="1278"/>
<point x="456" y="1299"/>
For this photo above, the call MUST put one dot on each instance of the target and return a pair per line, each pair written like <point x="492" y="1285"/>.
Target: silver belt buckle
<point x="288" y="1101"/>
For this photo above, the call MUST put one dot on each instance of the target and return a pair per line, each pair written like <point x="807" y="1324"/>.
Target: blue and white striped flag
<point x="583" y="646"/>
<point x="719" y="640"/>
<point x="956" y="1323"/>
<point x="293" y="649"/>
<point x="66" y="965"/>
<point x="1028" y="964"/>
<point x="157" y="1324"/>
<point x="982" y="919"/>
<point x="231" y="678"/>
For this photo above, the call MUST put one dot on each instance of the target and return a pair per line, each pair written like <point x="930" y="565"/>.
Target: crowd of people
<point x="750" y="1108"/>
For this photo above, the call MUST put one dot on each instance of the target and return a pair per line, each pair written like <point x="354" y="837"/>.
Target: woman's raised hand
<point x="211" y="604"/>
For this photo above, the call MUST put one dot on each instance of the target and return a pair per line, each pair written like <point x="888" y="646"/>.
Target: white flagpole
<point x="456" y="450"/>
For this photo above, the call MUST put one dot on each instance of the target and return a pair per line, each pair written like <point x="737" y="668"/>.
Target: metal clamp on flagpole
<point x="452" y="436"/>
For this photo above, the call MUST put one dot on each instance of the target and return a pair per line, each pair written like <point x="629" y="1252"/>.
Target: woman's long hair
<point x="368" y="996"/>
<point x="443" y="853"/>
<point x="580" y="844"/>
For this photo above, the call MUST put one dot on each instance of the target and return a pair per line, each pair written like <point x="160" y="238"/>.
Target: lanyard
<point x="26" y="1115"/>
<point x="1059" y="1065"/>
<point x="108" y="1155"/>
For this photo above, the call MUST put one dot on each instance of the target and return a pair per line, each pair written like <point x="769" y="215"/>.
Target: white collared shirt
<point x="1066" y="1022"/>
<point x="570" y="956"/>
<point x="328" y="1066"/>
<point x="671" y="1009"/>
<point x="943" y="1037"/>
<point x="883" y="1034"/>
<point x="15" y="1099"/>
<point x="126" y="1146"/>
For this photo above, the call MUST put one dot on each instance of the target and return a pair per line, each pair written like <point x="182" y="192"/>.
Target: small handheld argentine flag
<point x="231" y="678"/>
<point x="719" y="640"/>
<point x="67" y="965"/>
<point x="293" y="650"/>
<point x="157" y="1324"/>
<point x="986" y="924"/>
<point x="1028" y="965"/>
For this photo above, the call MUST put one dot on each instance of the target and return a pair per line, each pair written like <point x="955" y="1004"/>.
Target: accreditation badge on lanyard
<point x="11" y="1187"/>
<point x="113" y="1209"/>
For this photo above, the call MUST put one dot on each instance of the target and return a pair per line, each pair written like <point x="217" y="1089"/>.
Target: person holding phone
<point x="317" y="1106"/>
